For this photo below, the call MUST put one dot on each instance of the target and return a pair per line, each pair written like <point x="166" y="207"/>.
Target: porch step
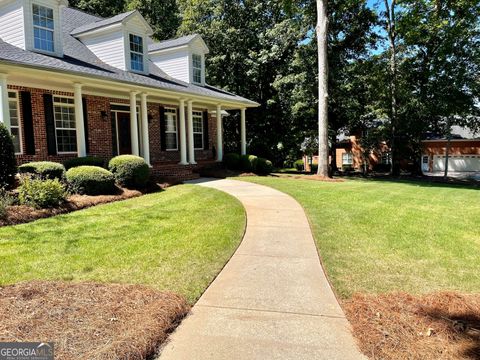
<point x="175" y="171"/>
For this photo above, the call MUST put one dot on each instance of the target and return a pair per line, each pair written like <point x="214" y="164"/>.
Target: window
<point x="386" y="158"/>
<point x="171" y="129"/>
<point x="347" y="158"/>
<point x="136" y="53"/>
<point x="64" y="109"/>
<point x="198" y="130"/>
<point x="197" y="68"/>
<point x="43" y="28"/>
<point x="15" y="121"/>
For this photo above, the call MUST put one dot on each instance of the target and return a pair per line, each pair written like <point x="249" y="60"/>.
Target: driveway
<point x="272" y="300"/>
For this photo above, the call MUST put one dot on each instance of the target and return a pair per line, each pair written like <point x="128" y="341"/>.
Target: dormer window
<point x="136" y="53"/>
<point x="197" y="68"/>
<point x="43" y="28"/>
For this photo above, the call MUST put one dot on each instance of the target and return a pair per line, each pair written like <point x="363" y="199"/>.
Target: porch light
<point x="104" y="115"/>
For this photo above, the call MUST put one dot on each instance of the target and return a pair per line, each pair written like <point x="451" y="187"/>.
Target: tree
<point x="322" y="38"/>
<point x="8" y="164"/>
<point x="162" y="15"/>
<point x="101" y="8"/>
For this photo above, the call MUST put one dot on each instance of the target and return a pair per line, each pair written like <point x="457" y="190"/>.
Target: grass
<point x="380" y="236"/>
<point x="177" y="240"/>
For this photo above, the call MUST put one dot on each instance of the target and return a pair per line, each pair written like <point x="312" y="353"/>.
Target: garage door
<point x="460" y="163"/>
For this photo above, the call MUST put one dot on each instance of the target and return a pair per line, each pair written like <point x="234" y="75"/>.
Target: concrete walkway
<point x="272" y="300"/>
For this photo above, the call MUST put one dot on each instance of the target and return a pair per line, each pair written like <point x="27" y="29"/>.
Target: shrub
<point x="5" y="200"/>
<point x="84" y="161"/>
<point x="44" y="169"/>
<point x="40" y="193"/>
<point x="130" y="170"/>
<point x="299" y="165"/>
<point x="8" y="164"/>
<point x="253" y="159"/>
<point x="314" y="168"/>
<point x="91" y="180"/>
<point x="347" y="168"/>
<point x="232" y="161"/>
<point x="244" y="163"/>
<point x="264" y="166"/>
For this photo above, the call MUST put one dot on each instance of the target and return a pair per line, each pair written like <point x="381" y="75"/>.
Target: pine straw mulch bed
<point x="401" y="326"/>
<point x="90" y="321"/>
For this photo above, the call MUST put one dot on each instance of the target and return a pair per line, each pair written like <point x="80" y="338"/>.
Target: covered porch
<point x="162" y="126"/>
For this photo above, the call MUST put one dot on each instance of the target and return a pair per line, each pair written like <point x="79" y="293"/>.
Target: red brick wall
<point x="457" y="147"/>
<point x="100" y="130"/>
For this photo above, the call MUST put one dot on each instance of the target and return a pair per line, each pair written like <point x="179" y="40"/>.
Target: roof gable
<point x="179" y="42"/>
<point x="122" y="19"/>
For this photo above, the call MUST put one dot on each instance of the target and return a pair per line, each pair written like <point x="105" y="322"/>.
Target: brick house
<point x="349" y="155"/>
<point x="73" y="84"/>
<point x="464" y="153"/>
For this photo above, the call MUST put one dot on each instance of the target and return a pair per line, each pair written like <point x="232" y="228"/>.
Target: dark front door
<point x="124" y="137"/>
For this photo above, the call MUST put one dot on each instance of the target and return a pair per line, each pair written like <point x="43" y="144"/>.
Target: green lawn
<point x="378" y="236"/>
<point x="176" y="240"/>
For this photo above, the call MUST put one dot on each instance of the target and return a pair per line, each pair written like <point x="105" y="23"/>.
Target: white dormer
<point x="34" y="25"/>
<point x="120" y="41"/>
<point x="182" y="58"/>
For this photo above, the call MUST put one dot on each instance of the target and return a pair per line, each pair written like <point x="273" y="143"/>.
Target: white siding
<point x="108" y="47"/>
<point x="174" y="63"/>
<point x="11" y="23"/>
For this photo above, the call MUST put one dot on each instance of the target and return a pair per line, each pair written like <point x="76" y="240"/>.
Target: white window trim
<point x="129" y="52"/>
<point x="54" y="30"/>
<point x="197" y="68"/>
<point x="172" y="132"/>
<point x="199" y="114"/>
<point x="350" y="156"/>
<point x="17" y="102"/>
<point x="55" y="122"/>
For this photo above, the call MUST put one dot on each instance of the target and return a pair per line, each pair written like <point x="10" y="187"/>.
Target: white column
<point x="4" y="109"/>
<point x="219" y="134"/>
<point x="145" y="138"/>
<point x="191" y="145"/>
<point x="183" y="135"/>
<point x="79" y="121"/>
<point x="243" y="132"/>
<point x="133" y="123"/>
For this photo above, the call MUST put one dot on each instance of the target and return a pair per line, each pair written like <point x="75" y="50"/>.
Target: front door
<point x="124" y="136"/>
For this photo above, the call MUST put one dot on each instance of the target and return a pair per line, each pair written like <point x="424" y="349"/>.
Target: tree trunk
<point x="392" y="36"/>
<point x="447" y="150"/>
<point x="322" y="38"/>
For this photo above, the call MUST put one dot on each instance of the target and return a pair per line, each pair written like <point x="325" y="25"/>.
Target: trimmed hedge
<point x="232" y="161"/>
<point x="253" y="159"/>
<point x="91" y="180"/>
<point x="244" y="163"/>
<point x="84" y="161"/>
<point x="8" y="164"/>
<point x="130" y="170"/>
<point x="40" y="193"/>
<point x="299" y="165"/>
<point x="44" y="169"/>
<point x="264" y="166"/>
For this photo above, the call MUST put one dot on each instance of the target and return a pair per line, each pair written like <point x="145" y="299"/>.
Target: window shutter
<point x="205" y="130"/>
<point x="50" y="124"/>
<point x="85" y="124"/>
<point x="28" y="132"/>
<point x="163" y="142"/>
<point x="114" y="134"/>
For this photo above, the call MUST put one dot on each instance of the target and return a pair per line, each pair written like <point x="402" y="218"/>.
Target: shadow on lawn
<point x="421" y="181"/>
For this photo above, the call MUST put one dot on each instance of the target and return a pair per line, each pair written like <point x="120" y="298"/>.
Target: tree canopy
<point x="266" y="51"/>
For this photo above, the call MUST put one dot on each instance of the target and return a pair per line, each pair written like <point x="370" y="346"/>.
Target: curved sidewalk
<point x="272" y="300"/>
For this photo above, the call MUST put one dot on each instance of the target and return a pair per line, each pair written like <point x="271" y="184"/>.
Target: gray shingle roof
<point x="79" y="60"/>
<point x="167" y="44"/>
<point x="99" y="23"/>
